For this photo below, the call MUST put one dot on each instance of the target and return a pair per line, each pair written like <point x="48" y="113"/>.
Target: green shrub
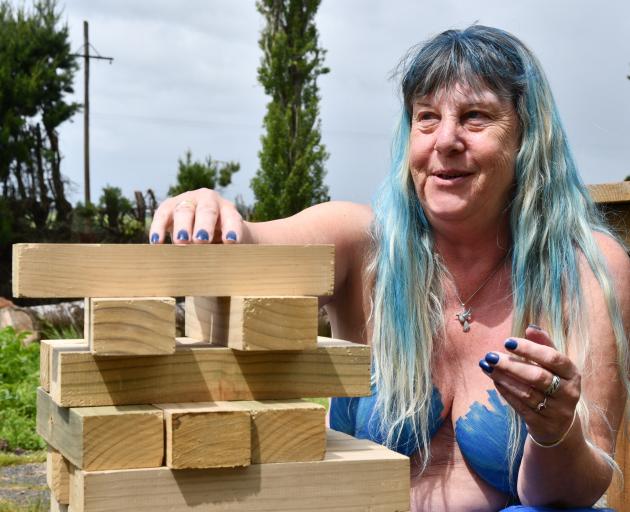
<point x="19" y="378"/>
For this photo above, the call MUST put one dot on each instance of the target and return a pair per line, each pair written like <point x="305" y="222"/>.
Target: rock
<point x="20" y="320"/>
<point x="6" y="303"/>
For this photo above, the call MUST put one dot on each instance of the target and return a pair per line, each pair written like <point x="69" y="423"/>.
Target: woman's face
<point x="463" y="147"/>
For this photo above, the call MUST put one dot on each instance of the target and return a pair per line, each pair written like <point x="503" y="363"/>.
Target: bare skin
<point x="462" y="151"/>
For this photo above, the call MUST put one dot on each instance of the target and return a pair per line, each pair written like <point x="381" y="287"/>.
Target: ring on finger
<point x="186" y="203"/>
<point x="542" y="405"/>
<point x="553" y="387"/>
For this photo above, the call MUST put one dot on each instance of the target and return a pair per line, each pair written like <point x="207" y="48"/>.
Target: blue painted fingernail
<point x="485" y="366"/>
<point x="534" y="326"/>
<point x="492" y="357"/>
<point x="182" y="234"/>
<point x="155" y="238"/>
<point x="231" y="236"/>
<point x="511" y="344"/>
<point x="202" y="234"/>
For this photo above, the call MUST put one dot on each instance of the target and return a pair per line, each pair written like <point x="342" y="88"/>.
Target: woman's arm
<point x="572" y="472"/>
<point x="203" y="216"/>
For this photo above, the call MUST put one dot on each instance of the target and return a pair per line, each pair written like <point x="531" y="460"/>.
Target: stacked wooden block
<point x="137" y="419"/>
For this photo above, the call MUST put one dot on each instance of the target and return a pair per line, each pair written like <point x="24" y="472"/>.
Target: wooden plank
<point x="46" y="348"/>
<point x="203" y="373"/>
<point x="287" y="431"/>
<point x="254" y="323"/>
<point x="350" y="480"/>
<point x="208" y="435"/>
<point x="55" y="506"/>
<point x="610" y="192"/>
<point x="103" y="437"/>
<point x="131" y="326"/>
<point x="143" y="270"/>
<point x="618" y="494"/>
<point x="58" y="476"/>
<point x="228" y="434"/>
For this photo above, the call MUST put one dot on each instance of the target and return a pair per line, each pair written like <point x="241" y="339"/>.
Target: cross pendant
<point x="465" y="317"/>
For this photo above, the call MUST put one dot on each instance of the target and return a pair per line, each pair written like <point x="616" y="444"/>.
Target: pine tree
<point x="291" y="173"/>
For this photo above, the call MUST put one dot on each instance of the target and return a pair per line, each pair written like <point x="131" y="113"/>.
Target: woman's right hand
<point x="201" y="216"/>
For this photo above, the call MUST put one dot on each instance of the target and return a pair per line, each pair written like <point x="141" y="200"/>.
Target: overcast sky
<point x="184" y="77"/>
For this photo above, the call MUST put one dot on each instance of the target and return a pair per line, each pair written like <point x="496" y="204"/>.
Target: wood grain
<point x="58" y="476"/>
<point x="351" y="478"/>
<point x="228" y="434"/>
<point x="610" y="192"/>
<point x="131" y="326"/>
<point x="208" y="435"/>
<point x="103" y="437"/>
<point x="128" y="270"/>
<point x="46" y="348"/>
<point x="618" y="494"/>
<point x="254" y="323"/>
<point x="202" y="373"/>
<point x="55" y="506"/>
<point x="287" y="431"/>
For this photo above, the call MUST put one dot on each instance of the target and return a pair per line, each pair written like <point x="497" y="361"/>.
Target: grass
<point x="51" y="331"/>
<point x="14" y="459"/>
<point x="19" y="378"/>
<point x="9" y="506"/>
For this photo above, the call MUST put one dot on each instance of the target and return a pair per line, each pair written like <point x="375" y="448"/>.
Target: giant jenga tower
<point x="139" y="420"/>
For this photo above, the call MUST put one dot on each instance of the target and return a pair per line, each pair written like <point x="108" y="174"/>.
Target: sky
<point x="184" y="77"/>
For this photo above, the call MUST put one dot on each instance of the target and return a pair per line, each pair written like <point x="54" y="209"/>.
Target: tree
<point x="291" y="173"/>
<point x="209" y="174"/>
<point x="36" y="72"/>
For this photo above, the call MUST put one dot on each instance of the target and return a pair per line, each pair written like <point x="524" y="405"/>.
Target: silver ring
<point x="553" y="387"/>
<point x="186" y="202"/>
<point x="542" y="405"/>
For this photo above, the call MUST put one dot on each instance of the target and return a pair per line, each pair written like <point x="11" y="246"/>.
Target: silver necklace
<point x="465" y="316"/>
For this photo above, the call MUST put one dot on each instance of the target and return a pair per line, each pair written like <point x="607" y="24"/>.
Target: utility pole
<point x="86" y="106"/>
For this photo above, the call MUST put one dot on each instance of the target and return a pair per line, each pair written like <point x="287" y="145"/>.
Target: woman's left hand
<point x="527" y="383"/>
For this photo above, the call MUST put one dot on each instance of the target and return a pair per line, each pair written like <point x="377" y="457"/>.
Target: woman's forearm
<point x="573" y="473"/>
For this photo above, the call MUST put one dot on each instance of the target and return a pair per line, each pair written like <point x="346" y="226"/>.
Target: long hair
<point x="552" y="221"/>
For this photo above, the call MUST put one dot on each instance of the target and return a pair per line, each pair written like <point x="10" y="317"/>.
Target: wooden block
<point x="45" y="357"/>
<point x="610" y="192"/>
<point x="618" y="494"/>
<point x="55" y="506"/>
<point x="143" y="270"/>
<point x="58" y="476"/>
<point x="94" y="438"/>
<point x="254" y="323"/>
<point x="287" y="431"/>
<point x="228" y="434"/>
<point x="128" y="326"/>
<point x="350" y="478"/>
<point x="202" y="373"/>
<point x="207" y="435"/>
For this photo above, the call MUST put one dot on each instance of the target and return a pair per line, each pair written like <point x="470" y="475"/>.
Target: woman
<point x="496" y="302"/>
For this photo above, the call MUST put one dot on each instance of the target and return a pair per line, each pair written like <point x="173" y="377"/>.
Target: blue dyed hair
<point x="552" y="223"/>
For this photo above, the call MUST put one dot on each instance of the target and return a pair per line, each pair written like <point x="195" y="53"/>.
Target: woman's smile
<point x="462" y="154"/>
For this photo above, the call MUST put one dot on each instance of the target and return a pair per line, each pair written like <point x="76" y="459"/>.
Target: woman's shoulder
<point x="616" y="257"/>
<point x="618" y="266"/>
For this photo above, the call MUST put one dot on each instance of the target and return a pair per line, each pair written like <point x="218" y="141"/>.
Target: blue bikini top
<point x="482" y="433"/>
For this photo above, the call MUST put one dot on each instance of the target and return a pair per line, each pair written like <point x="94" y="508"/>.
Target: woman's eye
<point x="425" y="117"/>
<point x="474" y="115"/>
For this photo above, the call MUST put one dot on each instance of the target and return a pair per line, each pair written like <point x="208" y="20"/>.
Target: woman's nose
<point x="448" y="138"/>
